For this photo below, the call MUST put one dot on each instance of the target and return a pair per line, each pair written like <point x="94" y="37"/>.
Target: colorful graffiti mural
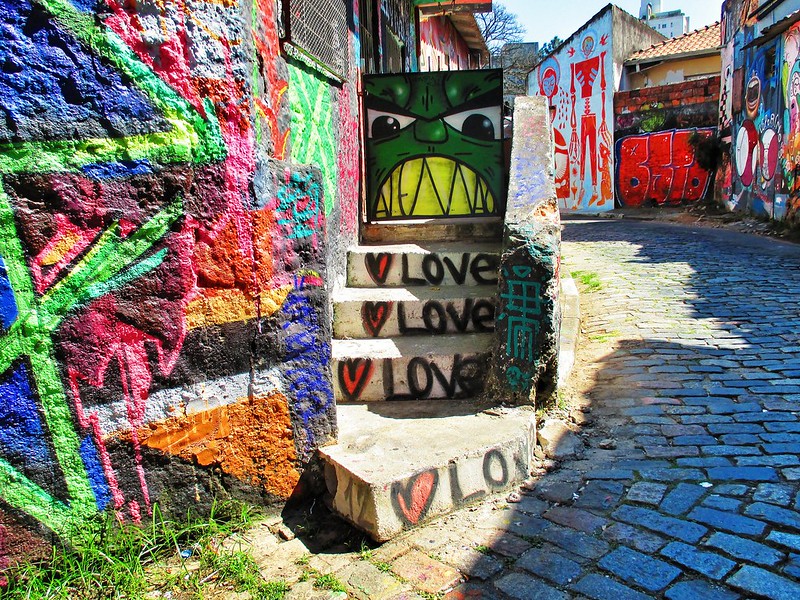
<point x="161" y="270"/>
<point x="660" y="168"/>
<point x="434" y="146"/>
<point x="441" y="46"/>
<point x="576" y="84"/>
<point x="790" y="155"/>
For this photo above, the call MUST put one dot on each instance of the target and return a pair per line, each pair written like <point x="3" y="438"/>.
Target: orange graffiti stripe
<point x="217" y="307"/>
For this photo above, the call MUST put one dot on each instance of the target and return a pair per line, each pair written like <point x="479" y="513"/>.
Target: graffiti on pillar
<point x="790" y="159"/>
<point x="434" y="144"/>
<point x="660" y="168"/>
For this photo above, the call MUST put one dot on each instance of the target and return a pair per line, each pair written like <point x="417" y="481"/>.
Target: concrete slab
<point x="410" y="368"/>
<point x="374" y="312"/>
<point x="455" y="263"/>
<point x="400" y="463"/>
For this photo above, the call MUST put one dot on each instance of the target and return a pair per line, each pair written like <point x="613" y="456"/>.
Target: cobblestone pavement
<point x="685" y="394"/>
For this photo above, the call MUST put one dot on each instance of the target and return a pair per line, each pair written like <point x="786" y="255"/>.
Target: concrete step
<point x="423" y="367"/>
<point x="389" y="312"/>
<point x="444" y="230"/>
<point x="398" y="464"/>
<point x="455" y="263"/>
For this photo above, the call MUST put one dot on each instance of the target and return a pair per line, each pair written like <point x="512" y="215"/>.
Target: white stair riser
<point x="388" y="319"/>
<point x="385" y="510"/>
<point x="378" y="269"/>
<point x="409" y="378"/>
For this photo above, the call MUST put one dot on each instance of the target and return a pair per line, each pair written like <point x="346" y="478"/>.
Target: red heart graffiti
<point x="378" y="266"/>
<point x="412" y="501"/>
<point x="354" y="374"/>
<point x="375" y="315"/>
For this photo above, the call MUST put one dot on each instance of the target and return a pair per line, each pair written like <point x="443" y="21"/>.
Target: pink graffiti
<point x="348" y="162"/>
<point x="660" y="168"/>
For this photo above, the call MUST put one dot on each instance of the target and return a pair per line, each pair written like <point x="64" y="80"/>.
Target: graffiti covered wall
<point x="434" y="144"/>
<point x="170" y="201"/>
<point x="758" y="110"/>
<point x="441" y="46"/>
<point x="578" y="82"/>
<point x="655" y="162"/>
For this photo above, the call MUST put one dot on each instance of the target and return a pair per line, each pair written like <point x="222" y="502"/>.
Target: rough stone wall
<point x="176" y="198"/>
<point x="529" y="317"/>
<point x="655" y="164"/>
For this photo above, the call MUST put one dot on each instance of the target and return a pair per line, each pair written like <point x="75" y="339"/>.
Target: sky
<point x="544" y="19"/>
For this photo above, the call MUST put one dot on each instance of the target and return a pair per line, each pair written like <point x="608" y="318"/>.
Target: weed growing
<point x="591" y="281"/>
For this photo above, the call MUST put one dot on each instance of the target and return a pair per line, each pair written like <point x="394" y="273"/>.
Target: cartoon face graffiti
<point x="434" y="146"/>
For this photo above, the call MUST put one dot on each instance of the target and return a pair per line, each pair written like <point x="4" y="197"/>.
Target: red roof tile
<point x="706" y="38"/>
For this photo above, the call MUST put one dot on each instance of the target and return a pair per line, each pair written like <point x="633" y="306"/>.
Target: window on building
<point x="316" y="31"/>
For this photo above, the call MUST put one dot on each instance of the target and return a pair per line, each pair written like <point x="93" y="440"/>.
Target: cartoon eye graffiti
<point x="384" y="124"/>
<point x="481" y="124"/>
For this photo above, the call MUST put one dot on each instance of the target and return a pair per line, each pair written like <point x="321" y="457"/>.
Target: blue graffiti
<point x="23" y="439"/>
<point x="308" y="355"/>
<point x="113" y="170"/>
<point x="51" y="87"/>
<point x="8" y="305"/>
<point x="94" y="468"/>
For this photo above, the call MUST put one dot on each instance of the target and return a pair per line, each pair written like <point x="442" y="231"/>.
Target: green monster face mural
<point x="434" y="144"/>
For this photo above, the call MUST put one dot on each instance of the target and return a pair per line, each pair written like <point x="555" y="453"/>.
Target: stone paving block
<point x="705" y="462"/>
<point x="365" y="581"/>
<point x="764" y="417"/>
<point x="679" y="430"/>
<point x="744" y="549"/>
<point x="527" y="525"/>
<point x="506" y="544"/>
<point x="640" y="569"/>
<point x="774" y="493"/>
<point x="775" y="460"/>
<point x="698" y="590"/>
<point x="556" y="491"/>
<point x="735" y="428"/>
<point x="470" y="562"/>
<point x="694" y="440"/>
<point x="792" y="567"/>
<point x="722" y="503"/>
<point x="733" y="489"/>
<point x="602" y="587"/>
<point x="781" y="437"/>
<point x="575" y="518"/>
<point x="787" y="427"/>
<point x="523" y="587"/>
<point x="548" y="563"/>
<point x="755" y="580"/>
<point x="428" y="539"/>
<point x="782" y="448"/>
<point x="575" y="542"/>
<point x="740" y="439"/>
<point x="599" y="494"/>
<point x="672" y="474"/>
<point x="424" y="573"/>
<point x="774" y="514"/>
<point x="725" y="450"/>
<point x="649" y="519"/>
<point x="638" y="539"/>
<point x="706" y="563"/>
<point x="671" y="451"/>
<point x="471" y="591"/>
<point x="727" y="521"/>
<point x="646" y="492"/>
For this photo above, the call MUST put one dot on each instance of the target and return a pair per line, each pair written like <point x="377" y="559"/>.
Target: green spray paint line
<point x="110" y="263"/>
<point x="38" y="347"/>
<point x="312" y="131"/>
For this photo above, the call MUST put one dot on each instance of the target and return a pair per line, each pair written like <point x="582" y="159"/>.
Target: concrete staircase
<point x="415" y="324"/>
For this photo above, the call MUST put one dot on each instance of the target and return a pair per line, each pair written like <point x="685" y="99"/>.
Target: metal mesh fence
<point x="319" y="27"/>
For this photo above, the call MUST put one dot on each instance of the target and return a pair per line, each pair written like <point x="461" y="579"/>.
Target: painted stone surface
<point x="434" y="144"/>
<point x="169" y="202"/>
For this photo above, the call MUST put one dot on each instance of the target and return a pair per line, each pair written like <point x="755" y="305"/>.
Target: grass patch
<point x="115" y="561"/>
<point x="591" y="281"/>
<point x="329" y="582"/>
<point x="483" y="549"/>
<point x="604" y="337"/>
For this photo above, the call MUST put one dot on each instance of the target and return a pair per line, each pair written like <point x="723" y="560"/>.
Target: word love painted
<point x="435" y="317"/>
<point x="413" y="497"/>
<point x="432" y="269"/>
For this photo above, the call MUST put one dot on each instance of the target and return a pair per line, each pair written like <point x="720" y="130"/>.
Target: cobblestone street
<point x="685" y="395"/>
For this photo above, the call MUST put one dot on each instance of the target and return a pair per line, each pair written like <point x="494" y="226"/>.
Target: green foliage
<point x="589" y="280"/>
<point x="329" y="582"/>
<point x="120" y="560"/>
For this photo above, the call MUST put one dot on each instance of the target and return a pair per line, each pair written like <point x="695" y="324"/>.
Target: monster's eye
<point x="383" y="125"/>
<point x="480" y="124"/>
